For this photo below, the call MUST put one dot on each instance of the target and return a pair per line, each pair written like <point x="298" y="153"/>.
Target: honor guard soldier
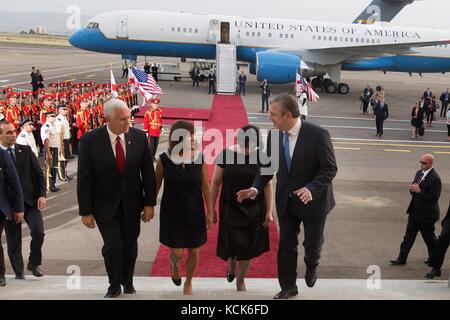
<point x="46" y="106"/>
<point x="12" y="110"/>
<point x="83" y="116"/>
<point x="153" y="125"/>
<point x="63" y="130"/>
<point x="52" y="143"/>
<point x="26" y="136"/>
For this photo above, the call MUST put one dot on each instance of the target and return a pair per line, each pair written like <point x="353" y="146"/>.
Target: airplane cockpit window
<point x="92" y="25"/>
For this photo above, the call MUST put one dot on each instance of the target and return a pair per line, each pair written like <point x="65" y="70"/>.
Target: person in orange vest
<point x="12" y="110"/>
<point x="153" y="125"/>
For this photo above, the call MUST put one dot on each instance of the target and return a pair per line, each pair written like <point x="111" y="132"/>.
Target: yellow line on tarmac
<point x="397" y="150"/>
<point x="441" y="152"/>
<point x="343" y="148"/>
<point x="392" y="145"/>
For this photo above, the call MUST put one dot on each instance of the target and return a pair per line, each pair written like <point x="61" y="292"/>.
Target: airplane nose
<point x="77" y="39"/>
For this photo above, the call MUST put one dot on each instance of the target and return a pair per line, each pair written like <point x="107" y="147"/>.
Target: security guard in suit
<point x="52" y="143"/>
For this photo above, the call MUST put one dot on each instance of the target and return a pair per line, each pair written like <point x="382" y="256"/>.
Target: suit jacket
<point x="424" y="206"/>
<point x="31" y="175"/>
<point x="381" y="113"/>
<point x="11" y="196"/>
<point x="100" y="187"/>
<point x="313" y="166"/>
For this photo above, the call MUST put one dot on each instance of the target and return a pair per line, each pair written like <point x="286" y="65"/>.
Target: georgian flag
<point x="114" y="93"/>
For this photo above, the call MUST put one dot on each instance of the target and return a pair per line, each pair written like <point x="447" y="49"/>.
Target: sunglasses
<point x="423" y="162"/>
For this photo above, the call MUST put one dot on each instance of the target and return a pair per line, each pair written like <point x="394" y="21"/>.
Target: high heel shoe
<point x="176" y="282"/>
<point x="230" y="276"/>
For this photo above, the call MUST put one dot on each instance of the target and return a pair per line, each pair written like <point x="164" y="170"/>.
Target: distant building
<point x="40" y="30"/>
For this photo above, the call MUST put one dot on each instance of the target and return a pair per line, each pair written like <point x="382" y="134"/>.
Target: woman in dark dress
<point x="182" y="214"/>
<point x="243" y="232"/>
<point x="416" y="120"/>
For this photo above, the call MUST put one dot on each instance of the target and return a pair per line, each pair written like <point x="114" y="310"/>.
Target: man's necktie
<point x="421" y="178"/>
<point x="120" y="156"/>
<point x="287" y="153"/>
<point x="13" y="157"/>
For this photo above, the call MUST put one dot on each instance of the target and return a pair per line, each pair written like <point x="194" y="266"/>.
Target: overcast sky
<point x="426" y="13"/>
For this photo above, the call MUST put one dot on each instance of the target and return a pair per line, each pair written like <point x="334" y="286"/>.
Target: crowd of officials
<point x="423" y="113"/>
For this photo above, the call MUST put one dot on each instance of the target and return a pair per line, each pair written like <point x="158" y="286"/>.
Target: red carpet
<point x="171" y="114"/>
<point x="228" y="112"/>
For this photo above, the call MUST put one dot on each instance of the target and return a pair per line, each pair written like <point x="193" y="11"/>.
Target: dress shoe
<point x="53" y="189"/>
<point x="129" y="289"/>
<point x="20" y="276"/>
<point x="433" y="273"/>
<point x="113" y="293"/>
<point x="35" y="270"/>
<point x="398" y="262"/>
<point x="176" y="282"/>
<point x="427" y="261"/>
<point x="311" y="277"/>
<point x="2" y="281"/>
<point x="230" y="276"/>
<point x="286" y="294"/>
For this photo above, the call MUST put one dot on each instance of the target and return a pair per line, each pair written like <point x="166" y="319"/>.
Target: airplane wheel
<point x="343" y="88"/>
<point x="331" y="88"/>
<point x="327" y="82"/>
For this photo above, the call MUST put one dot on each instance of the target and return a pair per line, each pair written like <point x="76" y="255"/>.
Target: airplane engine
<point x="277" y="67"/>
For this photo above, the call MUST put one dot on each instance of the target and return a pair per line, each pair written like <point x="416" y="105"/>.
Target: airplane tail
<point x="382" y="10"/>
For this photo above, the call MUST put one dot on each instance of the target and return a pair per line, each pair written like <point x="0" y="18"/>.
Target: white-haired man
<point x="116" y="183"/>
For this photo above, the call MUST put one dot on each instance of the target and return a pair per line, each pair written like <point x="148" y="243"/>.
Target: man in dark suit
<point x="381" y="113"/>
<point x="116" y="182"/>
<point x="11" y="202"/>
<point x="367" y="95"/>
<point x="304" y="192"/>
<point x="438" y="255"/>
<point x="212" y="82"/>
<point x="265" y="94"/>
<point x="33" y="185"/>
<point x="423" y="209"/>
<point x="427" y="98"/>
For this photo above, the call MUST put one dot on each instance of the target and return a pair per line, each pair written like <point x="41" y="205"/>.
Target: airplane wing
<point x="336" y="55"/>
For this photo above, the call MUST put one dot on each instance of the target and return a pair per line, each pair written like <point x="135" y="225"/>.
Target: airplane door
<point x="122" y="27"/>
<point x="224" y="32"/>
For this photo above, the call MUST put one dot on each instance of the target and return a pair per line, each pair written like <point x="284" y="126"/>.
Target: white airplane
<point x="276" y="49"/>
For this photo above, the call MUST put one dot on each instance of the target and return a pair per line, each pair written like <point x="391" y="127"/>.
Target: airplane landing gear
<point x="329" y="86"/>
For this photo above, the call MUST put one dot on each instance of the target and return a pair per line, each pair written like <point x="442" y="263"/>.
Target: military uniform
<point x="63" y="130"/>
<point x="153" y="125"/>
<point x="48" y="132"/>
<point x="27" y="139"/>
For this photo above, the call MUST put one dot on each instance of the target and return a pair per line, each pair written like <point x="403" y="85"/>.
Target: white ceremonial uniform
<point x="63" y="124"/>
<point x="48" y="131"/>
<point x="27" y="139"/>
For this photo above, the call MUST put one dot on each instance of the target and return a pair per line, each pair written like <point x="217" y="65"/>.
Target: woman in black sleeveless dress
<point x="243" y="232"/>
<point x="182" y="213"/>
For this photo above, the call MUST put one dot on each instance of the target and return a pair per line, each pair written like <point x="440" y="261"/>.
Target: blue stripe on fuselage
<point x="94" y="40"/>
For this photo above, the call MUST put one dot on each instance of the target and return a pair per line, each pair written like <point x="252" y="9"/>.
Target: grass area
<point x="34" y="39"/>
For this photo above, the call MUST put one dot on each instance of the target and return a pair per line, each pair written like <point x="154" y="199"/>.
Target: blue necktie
<point x="13" y="157"/>
<point x="287" y="154"/>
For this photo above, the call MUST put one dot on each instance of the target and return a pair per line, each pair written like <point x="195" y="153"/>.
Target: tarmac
<point x="365" y="229"/>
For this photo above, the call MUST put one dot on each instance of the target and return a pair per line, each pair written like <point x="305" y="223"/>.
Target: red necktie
<point x="120" y="156"/>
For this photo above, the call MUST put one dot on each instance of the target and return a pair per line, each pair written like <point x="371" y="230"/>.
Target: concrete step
<point x="149" y="288"/>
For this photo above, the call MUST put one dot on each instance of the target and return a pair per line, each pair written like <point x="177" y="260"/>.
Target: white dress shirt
<point x="293" y="136"/>
<point x="27" y="139"/>
<point x="113" y="138"/>
<point x="425" y="173"/>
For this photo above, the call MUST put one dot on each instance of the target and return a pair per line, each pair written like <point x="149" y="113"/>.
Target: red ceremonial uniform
<point x="153" y="122"/>
<point x="82" y="122"/>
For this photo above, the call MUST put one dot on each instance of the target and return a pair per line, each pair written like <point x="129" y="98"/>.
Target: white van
<point x="169" y="71"/>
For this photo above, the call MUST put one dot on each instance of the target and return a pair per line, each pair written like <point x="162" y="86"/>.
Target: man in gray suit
<point x="304" y="192"/>
<point x="11" y="201"/>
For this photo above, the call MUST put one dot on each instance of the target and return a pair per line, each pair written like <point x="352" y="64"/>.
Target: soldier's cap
<point x="24" y="122"/>
<point x="53" y="84"/>
<point x="12" y="95"/>
<point x="26" y="93"/>
<point x="155" y="100"/>
<point x="7" y="90"/>
<point x="50" y="114"/>
<point x="47" y="97"/>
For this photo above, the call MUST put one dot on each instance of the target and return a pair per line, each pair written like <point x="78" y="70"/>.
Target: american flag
<point x="304" y="86"/>
<point x="144" y="83"/>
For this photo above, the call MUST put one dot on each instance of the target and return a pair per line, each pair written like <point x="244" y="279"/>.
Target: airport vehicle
<point x="169" y="71"/>
<point x="276" y="49"/>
